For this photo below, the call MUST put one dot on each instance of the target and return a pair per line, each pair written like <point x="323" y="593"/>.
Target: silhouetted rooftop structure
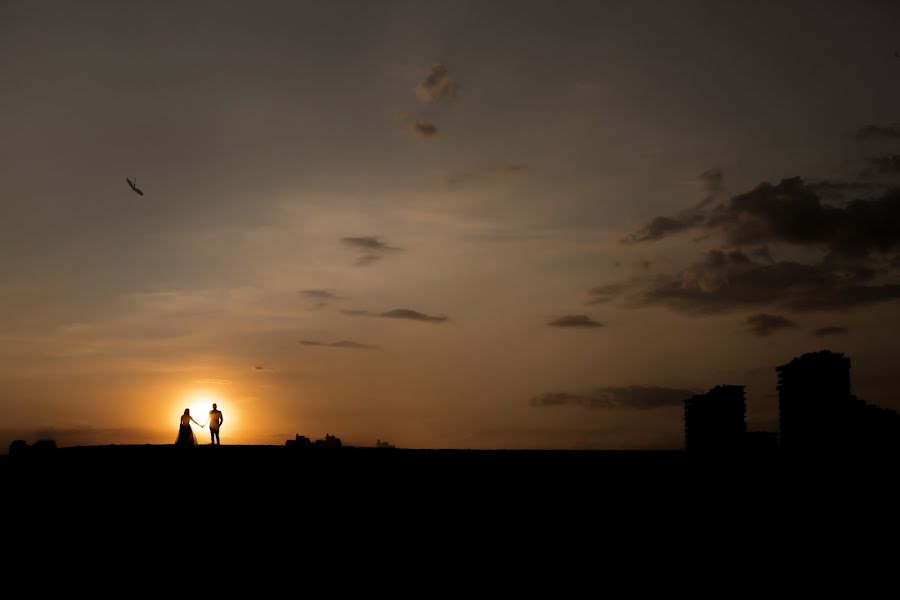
<point x="716" y="420"/>
<point x="329" y="441"/>
<point x="300" y="442"/>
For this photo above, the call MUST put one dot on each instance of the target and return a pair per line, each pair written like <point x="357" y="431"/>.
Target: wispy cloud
<point x="575" y="321"/>
<point x="321" y="298"/>
<point x="424" y="129"/>
<point x="399" y="313"/>
<point x="348" y="344"/>
<point x="371" y="248"/>
<point x="764" y="324"/>
<point x="437" y="86"/>
<point x="212" y="381"/>
<point x="829" y="330"/>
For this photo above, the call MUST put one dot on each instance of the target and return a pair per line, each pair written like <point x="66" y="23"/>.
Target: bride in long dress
<point x="186" y="435"/>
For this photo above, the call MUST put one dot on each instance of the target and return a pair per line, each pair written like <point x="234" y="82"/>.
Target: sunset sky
<point x="441" y="224"/>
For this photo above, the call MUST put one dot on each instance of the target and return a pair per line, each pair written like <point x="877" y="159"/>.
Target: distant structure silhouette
<point x="716" y="420"/>
<point x="383" y="444"/>
<point x="817" y="410"/>
<point x="300" y="442"/>
<point x="328" y="442"/>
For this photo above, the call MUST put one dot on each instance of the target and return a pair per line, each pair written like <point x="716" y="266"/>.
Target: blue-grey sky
<point x="466" y="224"/>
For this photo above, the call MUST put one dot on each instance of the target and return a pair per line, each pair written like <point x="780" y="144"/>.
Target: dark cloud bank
<point x="855" y="246"/>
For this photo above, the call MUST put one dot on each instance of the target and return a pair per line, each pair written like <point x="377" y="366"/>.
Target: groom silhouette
<point x="215" y="421"/>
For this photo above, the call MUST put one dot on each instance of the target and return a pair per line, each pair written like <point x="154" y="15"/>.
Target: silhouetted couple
<point x="186" y="435"/>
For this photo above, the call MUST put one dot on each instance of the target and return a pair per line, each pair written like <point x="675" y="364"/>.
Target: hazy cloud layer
<point x="765" y="324"/>
<point x="878" y="132"/>
<point x="437" y="85"/>
<point x="575" y="321"/>
<point x="399" y="313"/>
<point x="829" y="330"/>
<point x="349" y="344"/>
<point x="633" y="397"/>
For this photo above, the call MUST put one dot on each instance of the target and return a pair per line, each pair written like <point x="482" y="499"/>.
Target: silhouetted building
<point x="813" y="391"/>
<point x="18" y="448"/>
<point x="761" y="441"/>
<point x="381" y="444"/>
<point x="329" y="441"/>
<point x="818" y="412"/>
<point x="716" y="420"/>
<point x="300" y="442"/>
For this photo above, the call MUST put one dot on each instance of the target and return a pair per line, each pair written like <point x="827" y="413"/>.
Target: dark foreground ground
<point x="460" y="504"/>
<point x="584" y="488"/>
<point x="278" y="471"/>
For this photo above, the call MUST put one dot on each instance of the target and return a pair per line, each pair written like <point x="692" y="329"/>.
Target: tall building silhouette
<point x="813" y="392"/>
<point x="716" y="420"/>
<point x="818" y="411"/>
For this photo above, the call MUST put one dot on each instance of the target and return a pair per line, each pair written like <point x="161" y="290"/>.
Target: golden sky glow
<point x="438" y="224"/>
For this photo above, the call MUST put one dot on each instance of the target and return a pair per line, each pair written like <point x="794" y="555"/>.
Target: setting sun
<point x="200" y="403"/>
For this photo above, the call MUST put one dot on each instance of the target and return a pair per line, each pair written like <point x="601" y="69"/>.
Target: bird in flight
<point x="133" y="184"/>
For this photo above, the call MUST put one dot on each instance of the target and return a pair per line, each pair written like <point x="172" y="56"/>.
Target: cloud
<point x="405" y="313"/>
<point x="711" y="182"/>
<point x="791" y="212"/>
<point x="424" y="129"/>
<point x="889" y="164"/>
<point x="367" y="259"/>
<point x="765" y="324"/>
<point x="322" y="298"/>
<point x="437" y="85"/>
<point x="878" y="132"/>
<point x="576" y="321"/>
<point x="262" y="368"/>
<point x="349" y="344"/>
<point x="660" y="227"/>
<point x="829" y="330"/>
<point x="828" y="188"/>
<point x="633" y="397"/>
<point x="399" y="313"/>
<point x="468" y="177"/>
<point x="606" y="293"/>
<point x="726" y="281"/>
<point x="212" y="381"/>
<point x="371" y="248"/>
<point x="369" y="243"/>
